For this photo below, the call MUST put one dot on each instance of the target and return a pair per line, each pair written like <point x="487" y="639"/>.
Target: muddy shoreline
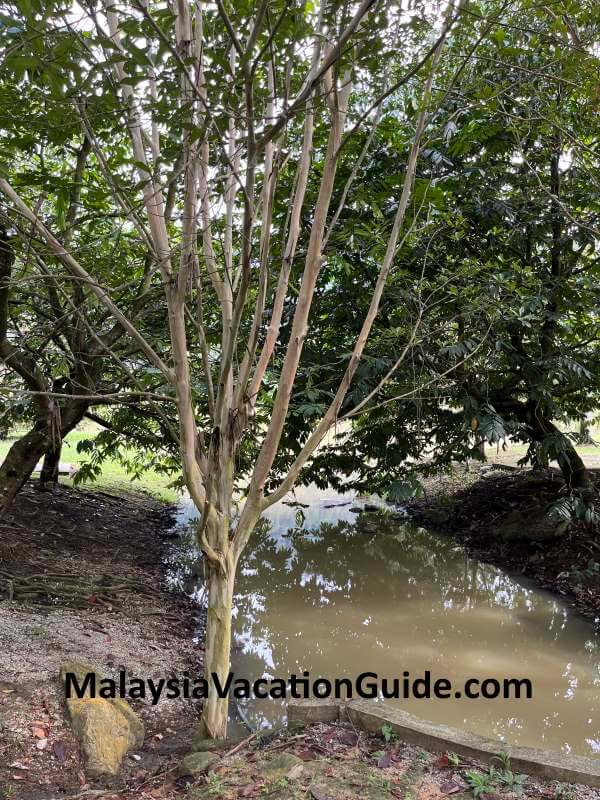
<point x="474" y="507"/>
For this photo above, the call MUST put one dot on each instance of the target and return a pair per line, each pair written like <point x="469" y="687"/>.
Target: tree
<point x="232" y="115"/>
<point x="508" y="296"/>
<point x="49" y="340"/>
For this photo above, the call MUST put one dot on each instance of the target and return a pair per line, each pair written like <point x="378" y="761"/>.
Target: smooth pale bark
<point x="214" y="538"/>
<point x="217" y="646"/>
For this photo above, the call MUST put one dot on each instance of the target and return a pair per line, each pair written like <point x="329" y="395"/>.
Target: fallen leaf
<point x="40" y="732"/>
<point x="17" y="765"/>
<point x="81" y="777"/>
<point x="18" y="777"/>
<point x="385" y="761"/>
<point x="60" y="751"/>
<point x="442" y="762"/>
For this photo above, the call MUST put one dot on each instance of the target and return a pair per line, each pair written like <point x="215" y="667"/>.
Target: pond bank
<point x="117" y="615"/>
<point x="491" y="511"/>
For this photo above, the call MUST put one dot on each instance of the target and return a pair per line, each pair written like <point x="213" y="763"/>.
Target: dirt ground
<point x="84" y="573"/>
<point x="81" y="576"/>
<point x="472" y="506"/>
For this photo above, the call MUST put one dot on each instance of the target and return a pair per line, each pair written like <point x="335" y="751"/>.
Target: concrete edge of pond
<point x="368" y="716"/>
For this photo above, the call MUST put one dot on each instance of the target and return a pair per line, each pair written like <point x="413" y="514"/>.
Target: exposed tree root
<point x="66" y="589"/>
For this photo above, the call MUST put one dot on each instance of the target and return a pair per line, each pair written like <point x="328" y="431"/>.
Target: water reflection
<point x="338" y="594"/>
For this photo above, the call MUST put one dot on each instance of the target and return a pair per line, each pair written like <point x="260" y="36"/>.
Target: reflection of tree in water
<point x="384" y="596"/>
<point x="308" y="575"/>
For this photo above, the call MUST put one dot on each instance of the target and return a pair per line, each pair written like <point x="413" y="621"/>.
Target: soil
<point x="82" y="576"/>
<point x="474" y="506"/>
<point x="84" y="570"/>
<point x="335" y="762"/>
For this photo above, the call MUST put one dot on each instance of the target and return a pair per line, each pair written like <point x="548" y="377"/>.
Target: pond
<point x="324" y="589"/>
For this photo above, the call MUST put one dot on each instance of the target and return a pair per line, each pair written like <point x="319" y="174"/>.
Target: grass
<point x="114" y="476"/>
<point x="514" y="452"/>
<point x="521" y="449"/>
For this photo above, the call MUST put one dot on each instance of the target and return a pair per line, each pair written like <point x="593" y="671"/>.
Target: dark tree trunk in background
<point x="539" y="426"/>
<point x="480" y="447"/>
<point x="50" y="467"/>
<point x="571" y="464"/>
<point x="19" y="463"/>
<point x="42" y="441"/>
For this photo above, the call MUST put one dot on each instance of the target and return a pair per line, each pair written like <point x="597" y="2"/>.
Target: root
<point x="63" y="589"/>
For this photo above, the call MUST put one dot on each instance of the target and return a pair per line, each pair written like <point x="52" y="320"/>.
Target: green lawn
<point x="514" y="452"/>
<point x="113" y="477"/>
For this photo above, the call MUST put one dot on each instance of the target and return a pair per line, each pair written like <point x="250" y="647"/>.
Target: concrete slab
<point x="370" y="717"/>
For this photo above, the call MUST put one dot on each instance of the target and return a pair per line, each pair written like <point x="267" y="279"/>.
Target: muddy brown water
<point x="325" y="590"/>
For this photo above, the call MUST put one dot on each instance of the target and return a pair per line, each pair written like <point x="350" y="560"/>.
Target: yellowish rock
<point x="105" y="728"/>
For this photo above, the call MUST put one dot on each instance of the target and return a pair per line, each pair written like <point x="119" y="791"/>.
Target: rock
<point x="531" y="524"/>
<point x="103" y="732"/>
<point x="369" y="523"/>
<point x="135" y="724"/>
<point x="437" y="517"/>
<point x="196" y="764"/>
<point x="280" y="766"/>
<point x="106" y="728"/>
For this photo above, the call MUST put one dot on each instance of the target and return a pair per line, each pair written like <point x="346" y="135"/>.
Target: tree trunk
<point x="19" y="463"/>
<point x="571" y="464"/>
<point x="39" y="442"/>
<point x="479" y="446"/>
<point x="217" y="650"/>
<point x="575" y="472"/>
<point x="50" y="467"/>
